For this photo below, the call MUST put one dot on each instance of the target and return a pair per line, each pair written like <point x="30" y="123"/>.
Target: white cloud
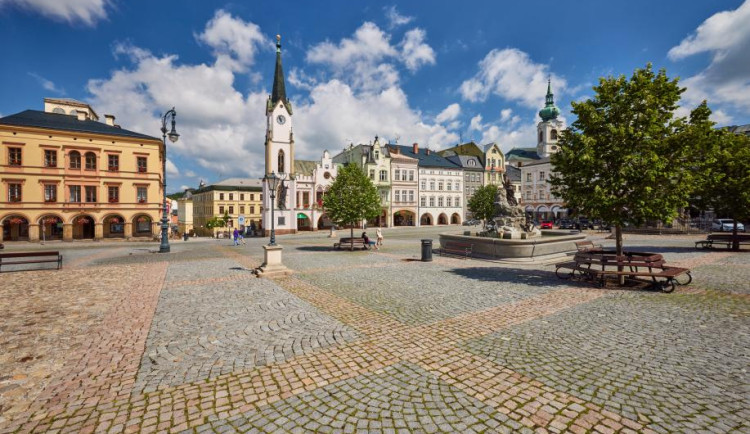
<point x="47" y="84"/>
<point x="726" y="81"/>
<point x="415" y="52"/>
<point x="511" y="74"/>
<point x="87" y="12"/>
<point x="449" y="113"/>
<point x="476" y="123"/>
<point x="233" y="39"/>
<point x="171" y="168"/>
<point x="395" y="19"/>
<point x="222" y="129"/>
<point x="505" y="114"/>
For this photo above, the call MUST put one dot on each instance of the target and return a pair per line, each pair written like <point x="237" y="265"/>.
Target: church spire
<point x="549" y="111"/>
<point x="279" y="91"/>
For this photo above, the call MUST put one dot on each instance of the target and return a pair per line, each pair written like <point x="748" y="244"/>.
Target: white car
<point x="726" y="225"/>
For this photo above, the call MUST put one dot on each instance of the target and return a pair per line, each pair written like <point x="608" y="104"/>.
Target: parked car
<point x="471" y="222"/>
<point x="547" y="224"/>
<point x="726" y="225"/>
<point x="566" y="224"/>
<point x="583" y="223"/>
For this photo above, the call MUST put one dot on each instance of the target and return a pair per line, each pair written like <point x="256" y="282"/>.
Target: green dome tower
<point x="550" y="111"/>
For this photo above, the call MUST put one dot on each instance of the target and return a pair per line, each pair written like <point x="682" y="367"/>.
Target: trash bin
<point x="426" y="250"/>
<point x="185" y="236"/>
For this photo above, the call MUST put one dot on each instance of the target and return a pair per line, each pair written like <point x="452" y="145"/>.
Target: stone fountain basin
<point x="551" y="245"/>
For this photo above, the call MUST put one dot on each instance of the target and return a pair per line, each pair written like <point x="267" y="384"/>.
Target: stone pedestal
<point x="272" y="266"/>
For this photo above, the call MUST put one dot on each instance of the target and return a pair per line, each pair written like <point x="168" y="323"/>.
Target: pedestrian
<point x="242" y="239"/>
<point x="252" y="229"/>
<point x="368" y="241"/>
<point x="379" y="235"/>
<point x="236" y="235"/>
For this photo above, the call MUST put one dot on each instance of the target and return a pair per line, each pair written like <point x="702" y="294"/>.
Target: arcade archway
<point x="83" y="227"/>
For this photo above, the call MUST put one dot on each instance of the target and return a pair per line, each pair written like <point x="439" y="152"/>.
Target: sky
<point x="433" y="72"/>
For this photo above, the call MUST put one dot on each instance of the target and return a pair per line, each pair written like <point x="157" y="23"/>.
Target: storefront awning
<point x="301" y="216"/>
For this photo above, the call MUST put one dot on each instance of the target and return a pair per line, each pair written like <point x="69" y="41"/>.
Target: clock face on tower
<point x="280" y="119"/>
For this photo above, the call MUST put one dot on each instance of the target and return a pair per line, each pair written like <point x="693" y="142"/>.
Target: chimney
<point x="109" y="120"/>
<point x="415" y="148"/>
<point x="82" y="115"/>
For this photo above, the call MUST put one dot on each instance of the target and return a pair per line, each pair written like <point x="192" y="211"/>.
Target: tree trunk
<point x="351" y="238"/>
<point x="618" y="253"/>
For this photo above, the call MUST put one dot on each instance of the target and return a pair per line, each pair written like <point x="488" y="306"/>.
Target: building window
<point x="231" y="209"/>
<point x="280" y="162"/>
<point x="422" y="201"/>
<point x="457" y="201"/>
<point x="75" y="160"/>
<point x="113" y="194"/>
<point x="113" y="163"/>
<point x="458" y="186"/>
<point x="231" y="196"/>
<point x="411" y="196"/>
<point x="221" y="196"/>
<point x="90" y="194"/>
<point x="50" y="158"/>
<point x="423" y="185"/>
<point x="440" y="185"/>
<point x="528" y="177"/>
<point x="242" y="209"/>
<point x="142" y="194"/>
<point x="397" y="196"/>
<point x="553" y="135"/>
<point x="372" y="174"/>
<point x="90" y="161"/>
<point x="221" y="209"/>
<point x="75" y="193"/>
<point x="50" y="193"/>
<point x="440" y="201"/>
<point x="541" y="176"/>
<point x="142" y="164"/>
<point x="397" y="175"/>
<point x="252" y="209"/>
<point x="383" y="175"/>
<point x="14" y="156"/>
<point x="14" y="192"/>
<point x="252" y="196"/>
<point x="448" y="201"/>
<point x="432" y="200"/>
<point x="541" y="137"/>
<point x="242" y="196"/>
<point x="432" y="184"/>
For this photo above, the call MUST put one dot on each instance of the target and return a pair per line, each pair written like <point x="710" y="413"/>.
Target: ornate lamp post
<point x="173" y="136"/>
<point x="273" y="183"/>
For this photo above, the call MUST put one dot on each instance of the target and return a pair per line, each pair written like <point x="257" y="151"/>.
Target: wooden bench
<point x="597" y="266"/>
<point x="727" y="239"/>
<point x="458" y="248"/>
<point x="30" y="258"/>
<point x="348" y="242"/>
<point x="586" y="245"/>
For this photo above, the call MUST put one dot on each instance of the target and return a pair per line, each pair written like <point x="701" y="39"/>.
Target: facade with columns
<point x="297" y="202"/>
<point x="64" y="176"/>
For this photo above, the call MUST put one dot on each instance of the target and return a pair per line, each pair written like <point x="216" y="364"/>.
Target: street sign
<point x="241" y="220"/>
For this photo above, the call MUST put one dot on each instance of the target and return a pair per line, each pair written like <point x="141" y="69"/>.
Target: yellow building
<point x="65" y="175"/>
<point x="234" y="197"/>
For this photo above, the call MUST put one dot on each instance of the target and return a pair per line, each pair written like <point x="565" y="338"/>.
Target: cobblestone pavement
<point x="125" y="340"/>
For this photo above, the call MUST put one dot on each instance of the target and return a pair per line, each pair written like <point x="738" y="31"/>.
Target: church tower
<point x="549" y="129"/>
<point x="279" y="155"/>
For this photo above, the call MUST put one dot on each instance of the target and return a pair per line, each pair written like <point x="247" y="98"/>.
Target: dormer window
<point x="472" y="163"/>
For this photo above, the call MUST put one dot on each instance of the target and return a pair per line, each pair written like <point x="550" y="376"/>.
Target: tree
<point x="215" y="222"/>
<point x="482" y="203"/>
<point x="726" y="177"/>
<point x="351" y="198"/>
<point x="626" y="158"/>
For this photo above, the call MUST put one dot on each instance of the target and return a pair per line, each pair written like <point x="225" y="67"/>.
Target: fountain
<point x="513" y="237"/>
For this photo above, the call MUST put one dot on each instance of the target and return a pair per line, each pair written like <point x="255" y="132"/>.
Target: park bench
<point x="586" y="245"/>
<point x="30" y="258"/>
<point x="457" y="248"/>
<point x="348" y="242"/>
<point x="598" y="265"/>
<point x="727" y="239"/>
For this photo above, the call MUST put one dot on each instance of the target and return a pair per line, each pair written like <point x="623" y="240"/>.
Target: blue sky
<point x="433" y="72"/>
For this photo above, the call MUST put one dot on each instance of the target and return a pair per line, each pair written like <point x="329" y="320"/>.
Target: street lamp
<point x="173" y="136"/>
<point x="273" y="183"/>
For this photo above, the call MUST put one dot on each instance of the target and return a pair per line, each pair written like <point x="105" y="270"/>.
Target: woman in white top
<point x="379" y="235"/>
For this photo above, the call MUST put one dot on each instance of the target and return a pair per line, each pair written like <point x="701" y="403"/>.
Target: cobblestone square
<point x="123" y="339"/>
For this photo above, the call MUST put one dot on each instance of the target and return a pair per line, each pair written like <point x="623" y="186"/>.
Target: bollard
<point x="426" y="250"/>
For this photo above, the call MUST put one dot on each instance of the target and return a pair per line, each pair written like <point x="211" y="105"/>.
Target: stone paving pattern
<point x="125" y="340"/>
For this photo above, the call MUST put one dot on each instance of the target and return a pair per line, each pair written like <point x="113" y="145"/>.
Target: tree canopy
<point x="626" y="158"/>
<point x="482" y="203"/>
<point x="351" y="198"/>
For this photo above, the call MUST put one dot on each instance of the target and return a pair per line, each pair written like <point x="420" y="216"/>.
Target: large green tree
<point x="482" y="203"/>
<point x="627" y="158"/>
<point x="726" y="177"/>
<point x="351" y="198"/>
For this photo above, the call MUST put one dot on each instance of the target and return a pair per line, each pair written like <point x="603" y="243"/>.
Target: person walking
<point x="236" y="236"/>
<point x="379" y="235"/>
